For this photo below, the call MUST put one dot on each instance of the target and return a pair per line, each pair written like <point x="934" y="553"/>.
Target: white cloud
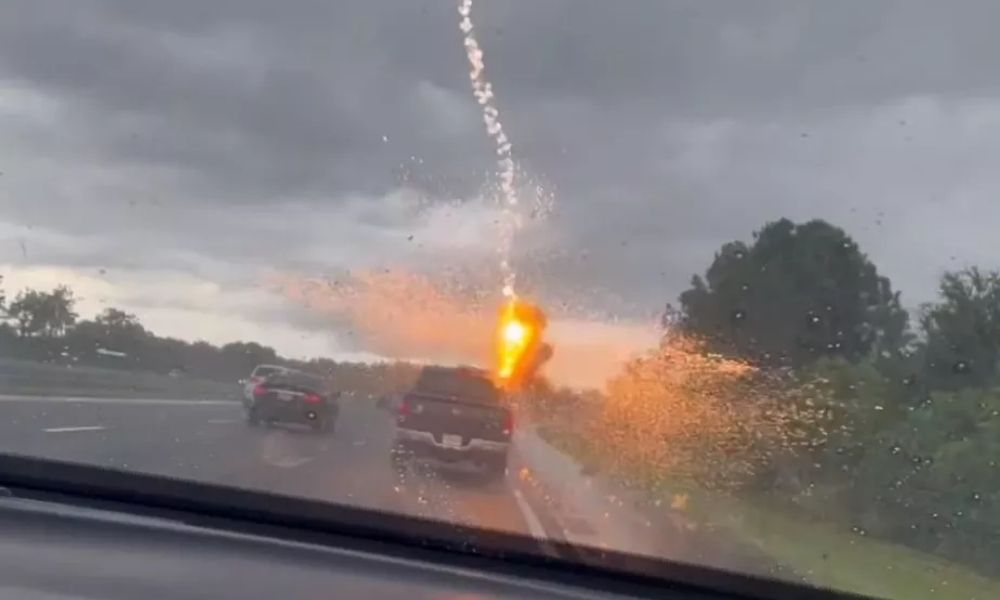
<point x="180" y="305"/>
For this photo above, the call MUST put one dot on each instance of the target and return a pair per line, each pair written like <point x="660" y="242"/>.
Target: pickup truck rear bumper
<point x="422" y="444"/>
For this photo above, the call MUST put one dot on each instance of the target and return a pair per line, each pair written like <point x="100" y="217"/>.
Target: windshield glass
<point x="730" y="268"/>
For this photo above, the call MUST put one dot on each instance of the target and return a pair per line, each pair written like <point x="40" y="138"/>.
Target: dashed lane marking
<point x="73" y="429"/>
<point x="290" y="462"/>
<point x="534" y="525"/>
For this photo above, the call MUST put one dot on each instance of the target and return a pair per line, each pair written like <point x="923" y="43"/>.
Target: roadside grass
<point x="820" y="552"/>
<point x="828" y="556"/>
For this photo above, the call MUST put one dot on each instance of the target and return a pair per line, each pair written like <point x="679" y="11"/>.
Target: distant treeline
<point x="44" y="326"/>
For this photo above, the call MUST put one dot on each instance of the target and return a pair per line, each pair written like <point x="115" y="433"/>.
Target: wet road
<point x="210" y="441"/>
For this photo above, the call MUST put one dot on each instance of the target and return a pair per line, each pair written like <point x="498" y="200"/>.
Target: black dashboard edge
<point x="293" y="519"/>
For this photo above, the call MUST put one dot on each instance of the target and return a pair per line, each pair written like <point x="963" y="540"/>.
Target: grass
<point x="828" y="556"/>
<point x="821" y="552"/>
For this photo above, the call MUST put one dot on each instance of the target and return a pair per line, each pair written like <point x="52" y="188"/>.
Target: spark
<point x="482" y="90"/>
<point x="518" y="343"/>
<point x="514" y="332"/>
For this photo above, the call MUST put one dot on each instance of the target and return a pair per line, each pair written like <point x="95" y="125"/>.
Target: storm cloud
<point x="231" y="139"/>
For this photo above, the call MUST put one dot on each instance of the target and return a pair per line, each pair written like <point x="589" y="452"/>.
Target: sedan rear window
<point x="267" y="371"/>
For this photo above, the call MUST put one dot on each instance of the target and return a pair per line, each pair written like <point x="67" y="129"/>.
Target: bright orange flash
<point x="519" y="337"/>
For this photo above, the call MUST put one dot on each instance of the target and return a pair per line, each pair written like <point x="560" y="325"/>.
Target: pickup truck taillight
<point x="404" y="408"/>
<point x="508" y="423"/>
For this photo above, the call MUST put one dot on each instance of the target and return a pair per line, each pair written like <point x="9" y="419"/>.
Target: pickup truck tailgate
<point x="441" y="415"/>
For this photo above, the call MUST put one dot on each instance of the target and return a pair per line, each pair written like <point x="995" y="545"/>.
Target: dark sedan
<point x="293" y="398"/>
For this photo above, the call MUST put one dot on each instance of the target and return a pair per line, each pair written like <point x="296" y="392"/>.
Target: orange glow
<point x="519" y="336"/>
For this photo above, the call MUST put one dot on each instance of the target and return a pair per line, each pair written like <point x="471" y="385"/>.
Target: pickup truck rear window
<point x="459" y="384"/>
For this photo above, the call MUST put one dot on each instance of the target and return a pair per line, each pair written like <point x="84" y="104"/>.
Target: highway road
<point x="210" y="441"/>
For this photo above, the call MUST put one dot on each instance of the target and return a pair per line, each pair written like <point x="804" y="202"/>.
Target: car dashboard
<point x="51" y="551"/>
<point x="73" y="532"/>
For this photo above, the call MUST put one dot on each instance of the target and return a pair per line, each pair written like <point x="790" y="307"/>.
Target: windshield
<point x="731" y="266"/>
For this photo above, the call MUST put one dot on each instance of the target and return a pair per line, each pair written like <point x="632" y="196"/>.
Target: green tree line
<point x="913" y="455"/>
<point x="44" y="326"/>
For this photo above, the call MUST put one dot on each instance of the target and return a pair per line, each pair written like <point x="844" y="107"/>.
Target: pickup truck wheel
<point x="496" y="471"/>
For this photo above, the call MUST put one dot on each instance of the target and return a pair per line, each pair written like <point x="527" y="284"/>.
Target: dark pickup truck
<point x="452" y="416"/>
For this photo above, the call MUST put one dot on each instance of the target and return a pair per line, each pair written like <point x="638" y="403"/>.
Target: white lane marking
<point x="71" y="429"/>
<point x="222" y="421"/>
<point x="534" y="525"/>
<point x="135" y="401"/>
<point x="291" y="462"/>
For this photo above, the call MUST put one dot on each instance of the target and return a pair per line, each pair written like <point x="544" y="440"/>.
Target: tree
<point x="113" y="329"/>
<point x="57" y="311"/>
<point x="27" y="311"/>
<point x="241" y="357"/>
<point x="963" y="330"/>
<point x="932" y="481"/>
<point x="797" y="293"/>
<point x="117" y="319"/>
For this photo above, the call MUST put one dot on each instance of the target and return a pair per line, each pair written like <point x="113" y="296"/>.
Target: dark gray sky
<point x="171" y="156"/>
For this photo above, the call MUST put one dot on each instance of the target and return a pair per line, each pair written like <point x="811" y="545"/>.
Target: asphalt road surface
<point x="210" y="441"/>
